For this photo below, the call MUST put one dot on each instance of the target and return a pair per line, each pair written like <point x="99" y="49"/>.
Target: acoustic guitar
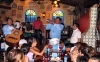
<point x="14" y="37"/>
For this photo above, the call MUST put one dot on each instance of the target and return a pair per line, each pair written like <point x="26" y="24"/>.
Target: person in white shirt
<point x="76" y="35"/>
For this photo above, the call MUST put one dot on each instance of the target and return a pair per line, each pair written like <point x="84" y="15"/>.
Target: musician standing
<point x="55" y="28"/>
<point x="37" y="25"/>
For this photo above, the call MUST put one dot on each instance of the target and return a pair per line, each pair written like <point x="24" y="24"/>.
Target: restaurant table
<point x="47" y="56"/>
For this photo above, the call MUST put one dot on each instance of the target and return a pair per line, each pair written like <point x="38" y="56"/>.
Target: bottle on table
<point x="65" y="58"/>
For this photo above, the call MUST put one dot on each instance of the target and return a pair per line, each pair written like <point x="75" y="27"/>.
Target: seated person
<point x="21" y="42"/>
<point x="68" y="47"/>
<point x="58" y="46"/>
<point x="33" y="50"/>
<point x="76" y="47"/>
<point x="25" y="48"/>
<point x="15" y="55"/>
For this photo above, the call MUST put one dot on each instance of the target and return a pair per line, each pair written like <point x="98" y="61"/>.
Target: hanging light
<point x="43" y="14"/>
<point x="56" y="5"/>
<point x="55" y="2"/>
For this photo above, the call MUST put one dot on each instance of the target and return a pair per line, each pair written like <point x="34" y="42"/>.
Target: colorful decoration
<point x="42" y="6"/>
<point x="30" y="15"/>
<point x="58" y="14"/>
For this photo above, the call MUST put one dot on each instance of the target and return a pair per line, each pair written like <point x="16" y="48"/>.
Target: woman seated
<point x="33" y="50"/>
<point x="25" y="48"/>
<point x="15" y="55"/>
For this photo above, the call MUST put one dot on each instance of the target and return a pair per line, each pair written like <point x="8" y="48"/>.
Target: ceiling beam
<point x="72" y="3"/>
<point x="5" y="7"/>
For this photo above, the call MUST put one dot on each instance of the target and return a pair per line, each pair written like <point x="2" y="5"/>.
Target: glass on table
<point x="60" y="47"/>
<point x="50" y="47"/>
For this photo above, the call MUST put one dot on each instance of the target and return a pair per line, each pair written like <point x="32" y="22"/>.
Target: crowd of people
<point x="27" y="50"/>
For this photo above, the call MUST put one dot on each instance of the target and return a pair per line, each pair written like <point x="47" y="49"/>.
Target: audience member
<point x="17" y="24"/>
<point x="22" y="41"/>
<point x="33" y="50"/>
<point x="60" y="46"/>
<point x="75" y="47"/>
<point x="95" y="58"/>
<point x="28" y="26"/>
<point x="15" y="55"/>
<point x="68" y="47"/>
<point x="25" y="49"/>
<point x="82" y="59"/>
<point x="23" y="27"/>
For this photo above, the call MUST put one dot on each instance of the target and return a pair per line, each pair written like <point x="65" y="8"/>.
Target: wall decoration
<point x="2" y="12"/>
<point x="42" y="6"/>
<point x="19" y="16"/>
<point x="49" y="7"/>
<point x="14" y="5"/>
<point x="13" y="12"/>
<point x="20" y="7"/>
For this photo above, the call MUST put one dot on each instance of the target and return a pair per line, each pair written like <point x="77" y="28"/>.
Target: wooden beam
<point x="5" y="7"/>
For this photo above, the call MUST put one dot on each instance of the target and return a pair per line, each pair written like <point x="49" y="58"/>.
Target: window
<point x="58" y="14"/>
<point x="30" y="16"/>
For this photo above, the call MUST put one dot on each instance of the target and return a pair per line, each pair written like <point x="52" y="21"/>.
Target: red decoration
<point x="84" y="22"/>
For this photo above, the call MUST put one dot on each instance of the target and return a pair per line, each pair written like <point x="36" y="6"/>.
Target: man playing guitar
<point x="7" y="31"/>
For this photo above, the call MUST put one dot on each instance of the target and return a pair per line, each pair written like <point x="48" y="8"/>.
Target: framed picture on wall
<point x="20" y="7"/>
<point x="14" y="5"/>
<point x="13" y="12"/>
<point x="19" y="16"/>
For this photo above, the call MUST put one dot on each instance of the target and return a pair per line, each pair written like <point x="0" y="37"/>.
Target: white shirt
<point x="76" y="34"/>
<point x="30" y="56"/>
<point x="17" y="25"/>
<point x="22" y="41"/>
<point x="11" y="27"/>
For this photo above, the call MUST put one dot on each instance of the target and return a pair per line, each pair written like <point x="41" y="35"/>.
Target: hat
<point x="22" y="41"/>
<point x="54" y="41"/>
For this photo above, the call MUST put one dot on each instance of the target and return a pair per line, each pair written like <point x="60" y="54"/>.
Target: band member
<point x="55" y="28"/>
<point x="7" y="29"/>
<point x="37" y="25"/>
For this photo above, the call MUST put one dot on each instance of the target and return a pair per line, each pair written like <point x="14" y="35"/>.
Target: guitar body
<point x="14" y="37"/>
